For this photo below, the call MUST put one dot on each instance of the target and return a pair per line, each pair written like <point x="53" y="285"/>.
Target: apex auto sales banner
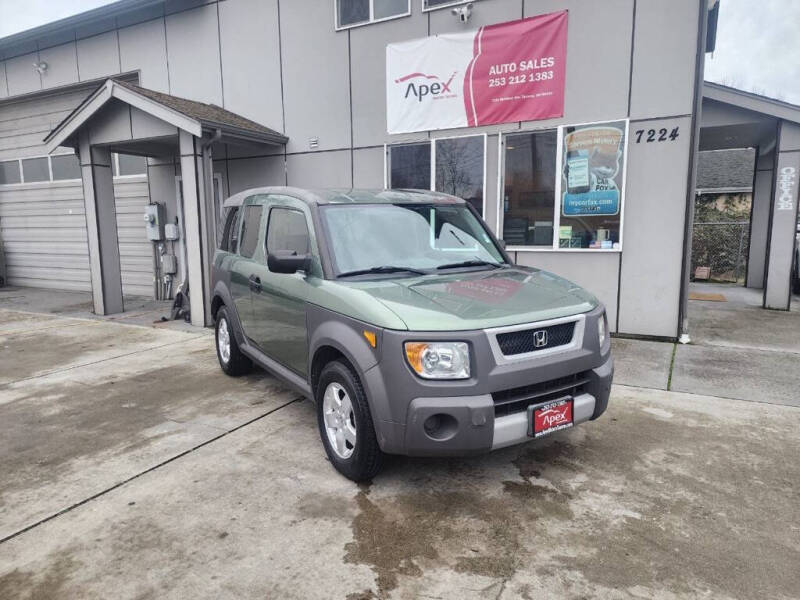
<point x="501" y="73"/>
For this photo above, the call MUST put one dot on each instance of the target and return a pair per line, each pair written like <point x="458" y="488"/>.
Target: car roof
<point x="348" y="196"/>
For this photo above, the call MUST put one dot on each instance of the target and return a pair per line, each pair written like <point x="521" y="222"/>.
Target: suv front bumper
<point x="475" y="429"/>
<point x="472" y="416"/>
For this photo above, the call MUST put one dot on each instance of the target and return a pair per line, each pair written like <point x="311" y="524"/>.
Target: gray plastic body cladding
<point x="222" y="289"/>
<point x="393" y="386"/>
<point x="345" y="334"/>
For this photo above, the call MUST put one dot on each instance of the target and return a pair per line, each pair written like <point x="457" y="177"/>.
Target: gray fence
<point x="722" y="246"/>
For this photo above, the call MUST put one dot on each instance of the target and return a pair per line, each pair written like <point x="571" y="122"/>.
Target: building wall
<point x="282" y="63"/>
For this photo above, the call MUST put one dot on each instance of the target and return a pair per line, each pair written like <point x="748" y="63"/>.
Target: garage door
<point x="42" y="220"/>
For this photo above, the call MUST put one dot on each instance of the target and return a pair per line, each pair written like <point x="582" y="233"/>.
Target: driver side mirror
<point x="287" y="262"/>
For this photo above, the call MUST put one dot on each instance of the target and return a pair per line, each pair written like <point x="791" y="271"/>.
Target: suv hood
<point x="479" y="299"/>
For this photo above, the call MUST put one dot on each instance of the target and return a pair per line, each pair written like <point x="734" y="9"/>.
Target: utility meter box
<point x="154" y="218"/>
<point x="171" y="231"/>
<point x="169" y="266"/>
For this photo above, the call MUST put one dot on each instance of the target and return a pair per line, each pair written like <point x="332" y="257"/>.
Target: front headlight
<point x="601" y="329"/>
<point x="439" y="360"/>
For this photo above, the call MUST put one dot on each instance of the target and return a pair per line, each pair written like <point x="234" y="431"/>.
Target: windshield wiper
<point x="383" y="269"/>
<point x="472" y="263"/>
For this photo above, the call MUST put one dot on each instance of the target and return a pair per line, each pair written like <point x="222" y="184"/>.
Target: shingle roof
<point x="719" y="169"/>
<point x="207" y="114"/>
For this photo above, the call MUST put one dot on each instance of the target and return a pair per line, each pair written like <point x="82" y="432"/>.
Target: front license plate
<point x="554" y="416"/>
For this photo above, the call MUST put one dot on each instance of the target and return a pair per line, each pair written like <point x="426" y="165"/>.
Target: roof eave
<point x="750" y="101"/>
<point x="108" y="90"/>
<point x="246" y="135"/>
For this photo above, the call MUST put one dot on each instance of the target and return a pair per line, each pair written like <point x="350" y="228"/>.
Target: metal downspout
<point x="697" y="106"/>
<point x="210" y="206"/>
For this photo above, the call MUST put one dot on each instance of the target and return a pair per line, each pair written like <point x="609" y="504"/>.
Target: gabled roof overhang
<point x="236" y="130"/>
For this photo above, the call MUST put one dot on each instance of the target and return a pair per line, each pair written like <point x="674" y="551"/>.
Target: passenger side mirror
<point x="284" y="261"/>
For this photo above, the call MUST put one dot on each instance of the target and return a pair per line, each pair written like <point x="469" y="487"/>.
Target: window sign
<point x="592" y="167"/>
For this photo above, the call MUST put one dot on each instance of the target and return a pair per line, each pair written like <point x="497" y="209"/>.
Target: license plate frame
<point x="559" y="416"/>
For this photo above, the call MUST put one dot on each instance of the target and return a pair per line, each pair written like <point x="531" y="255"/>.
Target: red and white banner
<point x="499" y="74"/>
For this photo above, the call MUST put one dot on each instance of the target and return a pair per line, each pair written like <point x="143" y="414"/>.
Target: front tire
<point x="231" y="359"/>
<point x="345" y="423"/>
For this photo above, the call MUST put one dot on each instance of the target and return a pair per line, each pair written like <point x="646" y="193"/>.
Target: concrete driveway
<point x="131" y="467"/>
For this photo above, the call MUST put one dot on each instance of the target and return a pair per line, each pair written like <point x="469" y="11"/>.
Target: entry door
<point x="279" y="306"/>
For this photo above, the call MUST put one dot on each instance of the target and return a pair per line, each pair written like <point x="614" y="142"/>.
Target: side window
<point x="287" y="230"/>
<point x="250" y="227"/>
<point x="230" y="235"/>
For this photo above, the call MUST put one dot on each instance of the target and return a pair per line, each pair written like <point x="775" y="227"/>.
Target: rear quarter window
<point x="229" y="241"/>
<point x="248" y="239"/>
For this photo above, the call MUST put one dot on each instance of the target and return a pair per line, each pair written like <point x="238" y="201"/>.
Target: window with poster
<point x="563" y="188"/>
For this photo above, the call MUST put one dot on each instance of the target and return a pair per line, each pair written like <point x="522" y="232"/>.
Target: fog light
<point x="432" y="424"/>
<point x="440" y="427"/>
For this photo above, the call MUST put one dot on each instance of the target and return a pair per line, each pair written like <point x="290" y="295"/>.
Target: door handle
<point x="255" y="283"/>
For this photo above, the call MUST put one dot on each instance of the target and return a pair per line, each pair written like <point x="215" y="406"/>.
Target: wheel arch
<point x="222" y="297"/>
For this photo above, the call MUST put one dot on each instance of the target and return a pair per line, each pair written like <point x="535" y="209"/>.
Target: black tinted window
<point x="230" y="235"/>
<point x="250" y="227"/>
<point x="287" y="230"/>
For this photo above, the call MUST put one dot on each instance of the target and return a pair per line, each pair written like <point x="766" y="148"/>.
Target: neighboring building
<point x="721" y="228"/>
<point x="303" y="85"/>
<point x="726" y="171"/>
<point x="735" y="119"/>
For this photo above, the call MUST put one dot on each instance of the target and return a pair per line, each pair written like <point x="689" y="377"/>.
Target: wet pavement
<point x="133" y="468"/>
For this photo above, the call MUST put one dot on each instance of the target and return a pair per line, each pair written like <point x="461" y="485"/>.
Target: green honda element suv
<point x="403" y="318"/>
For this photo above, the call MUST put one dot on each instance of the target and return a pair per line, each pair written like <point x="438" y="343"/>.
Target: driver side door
<point x="279" y="305"/>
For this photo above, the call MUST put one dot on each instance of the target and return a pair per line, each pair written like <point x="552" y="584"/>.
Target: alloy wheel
<point x="340" y="420"/>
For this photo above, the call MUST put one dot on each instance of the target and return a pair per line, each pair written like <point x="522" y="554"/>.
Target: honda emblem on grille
<point x="540" y="338"/>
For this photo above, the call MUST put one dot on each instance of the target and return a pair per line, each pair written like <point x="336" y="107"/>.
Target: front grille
<point x="536" y="338"/>
<point x="507" y="402"/>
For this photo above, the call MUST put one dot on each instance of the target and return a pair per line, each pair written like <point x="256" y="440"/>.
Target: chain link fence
<point x="722" y="247"/>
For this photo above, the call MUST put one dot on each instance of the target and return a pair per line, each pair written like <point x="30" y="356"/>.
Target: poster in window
<point x="592" y="167"/>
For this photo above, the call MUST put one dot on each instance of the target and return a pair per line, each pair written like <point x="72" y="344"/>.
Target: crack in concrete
<point x="146" y="471"/>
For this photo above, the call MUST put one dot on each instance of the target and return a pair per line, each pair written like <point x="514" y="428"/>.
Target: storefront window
<point x="529" y="188"/>
<point x="459" y="168"/>
<point x="410" y="166"/>
<point x="591" y="185"/>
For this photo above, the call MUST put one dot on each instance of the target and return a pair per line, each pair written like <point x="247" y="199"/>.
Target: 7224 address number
<point x="653" y="135"/>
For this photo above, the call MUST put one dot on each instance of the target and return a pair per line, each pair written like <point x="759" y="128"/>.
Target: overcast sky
<point x="758" y="48"/>
<point x="758" y="42"/>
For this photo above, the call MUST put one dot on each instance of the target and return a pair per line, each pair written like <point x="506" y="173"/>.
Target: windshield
<point x="419" y="237"/>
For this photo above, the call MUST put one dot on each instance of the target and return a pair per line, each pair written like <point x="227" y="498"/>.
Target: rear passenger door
<point x="244" y="270"/>
<point x="279" y="307"/>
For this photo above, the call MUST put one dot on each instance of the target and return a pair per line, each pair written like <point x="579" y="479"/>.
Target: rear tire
<point x="231" y="359"/>
<point x="345" y="423"/>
